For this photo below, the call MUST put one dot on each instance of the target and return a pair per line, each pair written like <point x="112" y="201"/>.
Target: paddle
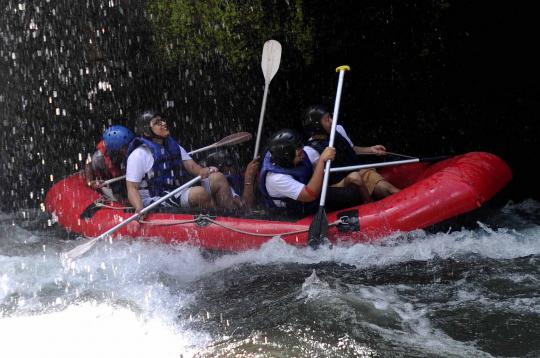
<point x="387" y="153"/>
<point x="271" y="56"/>
<point x="81" y="249"/>
<point x="235" y="138"/>
<point x="318" y="229"/>
<point x="387" y="164"/>
<point x="400" y="155"/>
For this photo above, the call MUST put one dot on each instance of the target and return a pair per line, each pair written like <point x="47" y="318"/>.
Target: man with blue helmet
<point x="107" y="162"/>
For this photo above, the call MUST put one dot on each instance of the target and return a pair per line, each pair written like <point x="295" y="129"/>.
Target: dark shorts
<point x="341" y="198"/>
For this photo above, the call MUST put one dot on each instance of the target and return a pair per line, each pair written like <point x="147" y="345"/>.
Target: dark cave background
<point x="427" y="78"/>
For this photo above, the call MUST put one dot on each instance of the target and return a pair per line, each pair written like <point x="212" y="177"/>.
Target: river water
<point x="462" y="292"/>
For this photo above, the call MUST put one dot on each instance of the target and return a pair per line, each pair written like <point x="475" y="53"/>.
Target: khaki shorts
<point x="371" y="178"/>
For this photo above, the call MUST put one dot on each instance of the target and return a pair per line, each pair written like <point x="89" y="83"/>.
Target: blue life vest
<point x="167" y="173"/>
<point x="236" y="182"/>
<point x="301" y="173"/>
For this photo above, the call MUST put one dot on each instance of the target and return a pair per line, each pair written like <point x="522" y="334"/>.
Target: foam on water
<point x="486" y="242"/>
<point x="126" y="295"/>
<point x="95" y="330"/>
<point x="381" y="309"/>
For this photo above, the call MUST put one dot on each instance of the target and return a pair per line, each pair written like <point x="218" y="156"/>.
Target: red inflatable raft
<point x="431" y="193"/>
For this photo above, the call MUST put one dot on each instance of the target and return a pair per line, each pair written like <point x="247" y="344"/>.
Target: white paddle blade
<point x="78" y="251"/>
<point x="271" y="57"/>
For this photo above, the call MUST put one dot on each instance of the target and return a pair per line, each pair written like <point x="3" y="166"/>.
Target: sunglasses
<point x="158" y="122"/>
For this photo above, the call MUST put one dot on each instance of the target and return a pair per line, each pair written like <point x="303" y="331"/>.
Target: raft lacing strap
<point x="232" y="228"/>
<point x="168" y="222"/>
<point x="100" y="203"/>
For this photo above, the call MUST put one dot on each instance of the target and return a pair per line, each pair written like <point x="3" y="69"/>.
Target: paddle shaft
<point x="261" y="120"/>
<point x="400" y="155"/>
<point x="373" y="165"/>
<point x="149" y="207"/>
<point x="231" y="139"/>
<point x="203" y="149"/>
<point x="271" y="58"/>
<point x="387" y="164"/>
<point x="332" y="137"/>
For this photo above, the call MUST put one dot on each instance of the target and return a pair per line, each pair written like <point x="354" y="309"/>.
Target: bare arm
<point x="134" y="196"/>
<point x="313" y="188"/>
<point x="374" y="149"/>
<point x="90" y="176"/>
<point x="195" y="169"/>
<point x="250" y="179"/>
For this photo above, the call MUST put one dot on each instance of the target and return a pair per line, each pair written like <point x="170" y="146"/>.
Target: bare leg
<point x="198" y="197"/>
<point x="384" y="188"/>
<point x="221" y="191"/>
<point x="355" y="179"/>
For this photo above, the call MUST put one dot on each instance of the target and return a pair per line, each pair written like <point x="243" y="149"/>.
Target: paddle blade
<point x="235" y="138"/>
<point x="78" y="251"/>
<point x="318" y="230"/>
<point x="271" y="57"/>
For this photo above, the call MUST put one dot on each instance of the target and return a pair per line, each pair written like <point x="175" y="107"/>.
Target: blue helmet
<point x="115" y="137"/>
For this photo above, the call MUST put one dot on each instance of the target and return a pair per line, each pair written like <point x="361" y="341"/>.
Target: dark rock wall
<point x="428" y="78"/>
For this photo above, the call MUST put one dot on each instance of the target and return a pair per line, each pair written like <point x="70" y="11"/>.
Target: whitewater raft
<point x="431" y="193"/>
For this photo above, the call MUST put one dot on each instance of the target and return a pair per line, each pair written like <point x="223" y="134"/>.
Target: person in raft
<point x="317" y="123"/>
<point x="242" y="184"/>
<point x="108" y="161"/>
<point x="157" y="164"/>
<point x="288" y="179"/>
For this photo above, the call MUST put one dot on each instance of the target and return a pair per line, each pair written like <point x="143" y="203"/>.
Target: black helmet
<point x="220" y="159"/>
<point x="312" y="119"/>
<point x="283" y="145"/>
<point x="143" y="121"/>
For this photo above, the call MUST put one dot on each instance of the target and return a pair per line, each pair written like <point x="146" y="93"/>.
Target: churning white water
<point x="409" y="293"/>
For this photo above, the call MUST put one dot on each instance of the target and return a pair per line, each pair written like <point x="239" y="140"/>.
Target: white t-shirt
<point x="140" y="162"/>
<point x="284" y="185"/>
<point x="314" y="155"/>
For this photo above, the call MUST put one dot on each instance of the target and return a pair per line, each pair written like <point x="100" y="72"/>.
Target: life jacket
<point x="301" y="173"/>
<point x="167" y="172"/>
<point x="236" y="182"/>
<point x="112" y="170"/>
<point x="345" y="154"/>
